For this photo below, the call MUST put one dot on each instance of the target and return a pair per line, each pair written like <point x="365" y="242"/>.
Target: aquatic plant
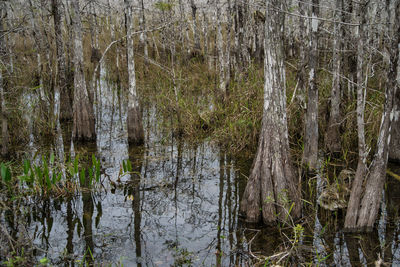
<point x="49" y="178"/>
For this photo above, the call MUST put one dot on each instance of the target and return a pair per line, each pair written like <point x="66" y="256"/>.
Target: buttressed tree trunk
<point x="272" y="189"/>
<point x="310" y="154"/>
<point x="363" y="215"/>
<point x="135" y="126"/>
<point x="83" y="117"/>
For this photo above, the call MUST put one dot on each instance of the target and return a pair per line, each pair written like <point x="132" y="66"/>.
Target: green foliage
<point x="5" y="173"/>
<point x="50" y="177"/>
<point x="164" y="6"/>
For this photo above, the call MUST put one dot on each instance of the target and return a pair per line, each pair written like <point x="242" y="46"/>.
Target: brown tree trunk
<point x="272" y="190"/>
<point x="310" y="154"/>
<point x="83" y="117"/>
<point x="135" y="126"/>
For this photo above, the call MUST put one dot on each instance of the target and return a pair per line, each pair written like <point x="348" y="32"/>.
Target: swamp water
<point x="180" y="207"/>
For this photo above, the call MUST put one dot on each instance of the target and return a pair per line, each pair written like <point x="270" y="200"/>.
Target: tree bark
<point x="62" y="107"/>
<point x="364" y="202"/>
<point x="373" y="189"/>
<point x="310" y="154"/>
<point x="195" y="30"/>
<point x="4" y="118"/>
<point x="143" y="35"/>
<point x="332" y="137"/>
<point x="83" y="115"/>
<point x="220" y="51"/>
<point x="272" y="190"/>
<point x="135" y="126"/>
<point x="361" y="172"/>
<point x="394" y="147"/>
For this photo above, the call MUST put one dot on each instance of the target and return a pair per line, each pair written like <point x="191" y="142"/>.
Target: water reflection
<point x="180" y="206"/>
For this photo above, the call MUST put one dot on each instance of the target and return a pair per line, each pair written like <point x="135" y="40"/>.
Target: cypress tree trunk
<point x="364" y="201"/>
<point x="310" y="154"/>
<point x="356" y="190"/>
<point x="195" y="30"/>
<point x="143" y="35"/>
<point x="135" y="126"/>
<point x="83" y="117"/>
<point x="4" y="117"/>
<point x="272" y="188"/>
<point x="332" y="137"/>
<point x="394" y="148"/>
<point x="220" y="51"/>
<point x="62" y="108"/>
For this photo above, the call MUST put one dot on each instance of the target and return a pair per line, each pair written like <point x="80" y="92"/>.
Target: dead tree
<point x="271" y="189"/>
<point x="135" y="126"/>
<point x="83" y="115"/>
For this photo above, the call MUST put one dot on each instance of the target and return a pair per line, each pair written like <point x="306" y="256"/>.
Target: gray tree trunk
<point x="135" y="126"/>
<point x="356" y="190"/>
<point x="83" y="116"/>
<point x="195" y="30"/>
<point x="372" y="196"/>
<point x="394" y="148"/>
<point x="4" y="117"/>
<point x="362" y="214"/>
<point x="143" y="35"/>
<point x="62" y="107"/>
<point x="332" y="136"/>
<point x="272" y="189"/>
<point x="303" y="55"/>
<point x="220" y="51"/>
<point x="310" y="154"/>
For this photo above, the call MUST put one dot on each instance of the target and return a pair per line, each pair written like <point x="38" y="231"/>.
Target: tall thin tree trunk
<point x="303" y="55"/>
<point x="60" y="85"/>
<point x="357" y="186"/>
<point x="135" y="126"/>
<point x="143" y="35"/>
<point x="310" y="154"/>
<point x="362" y="213"/>
<point x="394" y="148"/>
<point x="4" y="117"/>
<point x="373" y="189"/>
<point x="83" y="115"/>
<point x="332" y="137"/>
<point x="271" y="189"/>
<point x="195" y="30"/>
<point x="220" y="51"/>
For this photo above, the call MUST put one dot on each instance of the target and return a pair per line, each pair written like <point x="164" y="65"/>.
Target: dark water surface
<point x="181" y="207"/>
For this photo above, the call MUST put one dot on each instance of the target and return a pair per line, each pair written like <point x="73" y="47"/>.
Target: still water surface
<point x="180" y="207"/>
